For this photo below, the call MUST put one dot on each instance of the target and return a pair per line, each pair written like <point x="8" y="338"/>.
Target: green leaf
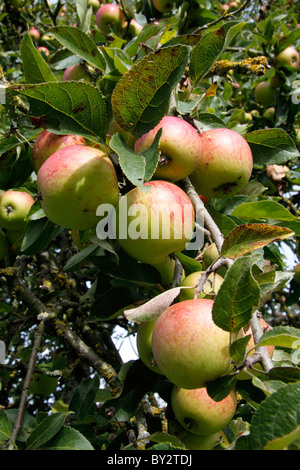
<point x="38" y="235"/>
<point x="141" y="97"/>
<point x="281" y="278"/>
<point x="79" y="257"/>
<point x="221" y="387"/>
<point x="84" y="396"/>
<point x="36" y="69"/>
<point x="5" y="427"/>
<point x="286" y="374"/>
<point x="210" y="47"/>
<point x="80" y="44"/>
<point x="138" y="167"/>
<point x="68" y="439"/>
<point x="237" y="297"/>
<point x="282" y="336"/>
<point x="238" y="349"/>
<point x="70" y="107"/>
<point x="245" y="238"/>
<point x="46" y="430"/>
<point x="281" y="443"/>
<point x="161" y="437"/>
<point x="207" y="121"/>
<point x="277" y="416"/>
<point x="262" y="210"/>
<point x="84" y="12"/>
<point x="271" y="146"/>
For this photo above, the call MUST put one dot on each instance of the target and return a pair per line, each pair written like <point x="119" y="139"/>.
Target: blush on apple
<point x="14" y="207"/>
<point x="109" y="18"/>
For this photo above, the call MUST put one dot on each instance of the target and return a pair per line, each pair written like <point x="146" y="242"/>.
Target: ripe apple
<point x="265" y="94"/>
<point x="197" y="412"/>
<point x="297" y="273"/>
<point x="195" y="442"/>
<point x="109" y="18"/>
<point x="225" y="165"/>
<point x="289" y="57"/>
<point x="250" y="346"/>
<point x="76" y="72"/>
<point x="4" y="245"/>
<point x="163" y="6"/>
<point x="153" y="224"/>
<point x="144" y="345"/>
<point x="34" y="33"/>
<point x="73" y="182"/>
<point x="211" y="286"/>
<point x="188" y="347"/>
<point x="180" y="148"/>
<point x="14" y="207"/>
<point x="48" y="143"/>
<point x="44" y="50"/>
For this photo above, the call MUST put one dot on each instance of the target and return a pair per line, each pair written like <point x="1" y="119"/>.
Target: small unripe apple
<point x="188" y="347"/>
<point x="144" y="345"/>
<point x="34" y="33"/>
<point x="48" y="143"/>
<point x="210" y="289"/>
<point x="297" y="273"/>
<point x="269" y="113"/>
<point x="14" y="207"/>
<point x="163" y="6"/>
<point x="195" y="442"/>
<point x="224" y="7"/>
<point x="180" y="148"/>
<point x="95" y="4"/>
<point x="225" y="165"/>
<point x="276" y="81"/>
<point x="198" y="413"/>
<point x="4" y="245"/>
<point x="210" y="255"/>
<point x="73" y="182"/>
<point x="153" y="224"/>
<point x="264" y="94"/>
<point x="114" y="128"/>
<point x="289" y="57"/>
<point x="44" y="50"/>
<point x="109" y="18"/>
<point x="76" y="72"/>
<point x="134" y="28"/>
<point x="233" y="6"/>
<point x="297" y="139"/>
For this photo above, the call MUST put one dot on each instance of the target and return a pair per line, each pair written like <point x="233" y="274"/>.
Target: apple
<point x="265" y="94"/>
<point x="134" y="28"/>
<point x="232" y="6"/>
<point x="109" y="18"/>
<point x="4" y="245"/>
<point x="180" y="148"/>
<point x="18" y="3"/>
<point x="73" y="182"/>
<point x="166" y="269"/>
<point x="250" y="350"/>
<point x="34" y="33"/>
<point x="44" y="50"/>
<point x="163" y="6"/>
<point x="76" y="72"/>
<point x="297" y="273"/>
<point x="210" y="255"/>
<point x="297" y="138"/>
<point x="211" y="286"/>
<point x="195" y="442"/>
<point x="276" y="81"/>
<point x="144" y="345"/>
<point x="198" y="413"/>
<point x="188" y="347"/>
<point x="153" y="224"/>
<point x="224" y="7"/>
<point x="14" y="207"/>
<point x="95" y="4"/>
<point x="225" y="165"/>
<point x="114" y="128"/>
<point x="48" y="143"/>
<point x="15" y="237"/>
<point x="242" y="117"/>
<point x="289" y="57"/>
<point x="269" y="113"/>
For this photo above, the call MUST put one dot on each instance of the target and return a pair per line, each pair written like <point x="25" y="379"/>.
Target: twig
<point x="225" y="16"/>
<point x="257" y="332"/>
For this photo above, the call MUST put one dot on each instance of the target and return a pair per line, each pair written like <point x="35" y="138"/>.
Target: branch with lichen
<point x="252" y="65"/>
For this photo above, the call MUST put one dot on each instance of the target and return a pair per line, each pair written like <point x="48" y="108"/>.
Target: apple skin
<point x="265" y="94"/>
<point x="196" y="442"/>
<point x="34" y="33"/>
<point x="269" y="113"/>
<point x="211" y="286"/>
<point x="198" y="413"/>
<point x="144" y="345"/>
<point x="180" y="144"/>
<point x="225" y="165"/>
<point x="149" y="248"/>
<point x="163" y="6"/>
<point x="76" y="72"/>
<point x="297" y="273"/>
<point x="109" y="18"/>
<point x="73" y="182"/>
<point x="188" y="347"/>
<point x="134" y="28"/>
<point x="44" y="50"/>
<point x="224" y="7"/>
<point x="4" y="245"/>
<point x="114" y="128"/>
<point x="95" y="4"/>
<point x="14" y="207"/>
<point x="48" y="143"/>
<point x="289" y="57"/>
<point x="246" y="331"/>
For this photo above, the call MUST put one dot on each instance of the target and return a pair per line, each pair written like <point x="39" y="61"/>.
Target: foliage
<point x="64" y="293"/>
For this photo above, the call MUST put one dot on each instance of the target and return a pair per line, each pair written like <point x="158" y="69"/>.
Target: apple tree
<point x="190" y="105"/>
